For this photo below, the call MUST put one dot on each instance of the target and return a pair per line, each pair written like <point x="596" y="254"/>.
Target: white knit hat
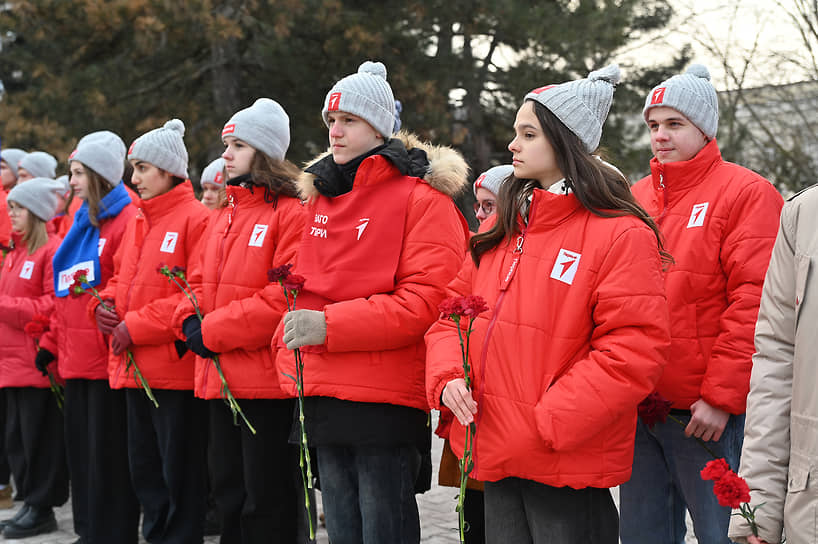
<point x="38" y="195"/>
<point x="692" y="95"/>
<point x="581" y="105"/>
<point x="265" y="126"/>
<point x="66" y="186"/>
<point x="492" y="178"/>
<point x="366" y="94"/>
<point x="214" y="173"/>
<point x="12" y="157"/>
<point x="39" y="164"/>
<point x="104" y="153"/>
<point x="164" y="148"/>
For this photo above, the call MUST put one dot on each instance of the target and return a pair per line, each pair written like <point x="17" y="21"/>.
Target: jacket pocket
<point x="802" y="267"/>
<point x="801" y="504"/>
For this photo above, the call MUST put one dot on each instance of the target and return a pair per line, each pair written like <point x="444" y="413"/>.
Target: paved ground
<point x="437" y="515"/>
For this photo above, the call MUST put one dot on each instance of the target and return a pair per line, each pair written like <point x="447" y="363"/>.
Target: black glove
<point x="42" y="360"/>
<point x="192" y="328"/>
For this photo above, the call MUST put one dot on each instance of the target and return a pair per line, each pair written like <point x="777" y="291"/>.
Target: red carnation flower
<point x="731" y="490"/>
<point x="279" y="273"/>
<point x="34" y="329"/>
<point x="81" y="276"/>
<point x="715" y="470"/>
<point x="456" y="307"/>
<point x="473" y="305"/>
<point x="654" y="409"/>
<point x="293" y="282"/>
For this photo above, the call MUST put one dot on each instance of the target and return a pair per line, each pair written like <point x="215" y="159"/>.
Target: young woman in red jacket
<point x="576" y="331"/>
<point x="33" y="422"/>
<point x="166" y="444"/>
<point x="104" y="505"/>
<point x="253" y="475"/>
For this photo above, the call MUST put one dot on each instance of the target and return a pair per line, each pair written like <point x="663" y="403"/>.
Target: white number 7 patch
<point x="697" y="215"/>
<point x="257" y="237"/>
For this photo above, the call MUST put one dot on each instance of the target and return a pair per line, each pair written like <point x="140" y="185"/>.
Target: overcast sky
<point x="729" y="29"/>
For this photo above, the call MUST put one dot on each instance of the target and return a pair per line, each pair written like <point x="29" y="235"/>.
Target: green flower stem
<point x="138" y="377"/>
<point x="56" y="389"/>
<point x="303" y="450"/>
<point x="466" y="463"/>
<point x="224" y="389"/>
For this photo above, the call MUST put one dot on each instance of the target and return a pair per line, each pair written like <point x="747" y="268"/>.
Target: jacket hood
<point x="447" y="171"/>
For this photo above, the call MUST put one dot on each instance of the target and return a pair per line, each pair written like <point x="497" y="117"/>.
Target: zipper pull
<point x="232" y="203"/>
<point x="661" y="182"/>
<point x="512" y="269"/>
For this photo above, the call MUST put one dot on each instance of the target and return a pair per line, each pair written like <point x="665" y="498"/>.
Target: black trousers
<point x="254" y="475"/>
<point x="166" y="451"/>
<point x="35" y="446"/>
<point x="104" y="504"/>
<point x="5" y="470"/>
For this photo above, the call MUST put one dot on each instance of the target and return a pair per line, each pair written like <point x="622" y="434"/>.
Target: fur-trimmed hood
<point x="447" y="171"/>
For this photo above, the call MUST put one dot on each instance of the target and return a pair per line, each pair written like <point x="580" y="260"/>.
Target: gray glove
<point x="304" y="328"/>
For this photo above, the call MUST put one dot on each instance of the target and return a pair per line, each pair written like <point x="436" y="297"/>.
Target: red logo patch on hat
<point x="657" y="96"/>
<point x="228" y="129"/>
<point x="217" y="179"/>
<point x="71" y="156"/>
<point x="541" y="89"/>
<point x="130" y="149"/>
<point x="334" y="102"/>
<point x="479" y="182"/>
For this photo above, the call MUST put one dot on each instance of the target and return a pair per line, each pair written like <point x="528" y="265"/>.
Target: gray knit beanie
<point x="692" y="95"/>
<point x="12" y="157"/>
<point x="164" y="148"/>
<point x="104" y="153"/>
<point x="214" y="173"/>
<point x="39" y="164"/>
<point x="492" y="178"/>
<point x="366" y="94"/>
<point x="265" y="126"/>
<point x="38" y="195"/>
<point x="581" y="105"/>
<point x="66" y="186"/>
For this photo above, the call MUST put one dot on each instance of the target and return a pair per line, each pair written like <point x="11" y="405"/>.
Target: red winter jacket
<point x="167" y="230"/>
<point x="576" y="335"/>
<point x="5" y="222"/>
<point x="243" y="241"/>
<point x="26" y="289"/>
<point x="374" y="349"/>
<point x="81" y="350"/>
<point x="719" y="222"/>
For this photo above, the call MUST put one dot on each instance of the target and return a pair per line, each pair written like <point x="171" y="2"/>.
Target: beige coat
<point x="780" y="455"/>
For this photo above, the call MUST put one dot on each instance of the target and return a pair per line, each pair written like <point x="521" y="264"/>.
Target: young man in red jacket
<point x="719" y="221"/>
<point x="378" y="249"/>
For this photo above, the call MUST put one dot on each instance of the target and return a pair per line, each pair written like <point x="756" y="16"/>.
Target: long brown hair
<point x="36" y="234"/>
<point x="98" y="187"/>
<point x="599" y="187"/>
<point x="277" y="177"/>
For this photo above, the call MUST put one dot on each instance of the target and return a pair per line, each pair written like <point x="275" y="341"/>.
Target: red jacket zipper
<point x="512" y="271"/>
<point x="130" y="290"/>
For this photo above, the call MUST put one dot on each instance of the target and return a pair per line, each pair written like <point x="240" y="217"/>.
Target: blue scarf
<point x="80" y="248"/>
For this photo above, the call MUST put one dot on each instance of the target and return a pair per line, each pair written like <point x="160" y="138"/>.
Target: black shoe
<point x="20" y="513"/>
<point x="36" y="521"/>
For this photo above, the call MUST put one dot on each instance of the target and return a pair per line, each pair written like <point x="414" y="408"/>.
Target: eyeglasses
<point x="488" y="207"/>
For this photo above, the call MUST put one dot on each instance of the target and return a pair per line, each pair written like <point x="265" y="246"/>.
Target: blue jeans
<point x="369" y="494"/>
<point x="666" y="481"/>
